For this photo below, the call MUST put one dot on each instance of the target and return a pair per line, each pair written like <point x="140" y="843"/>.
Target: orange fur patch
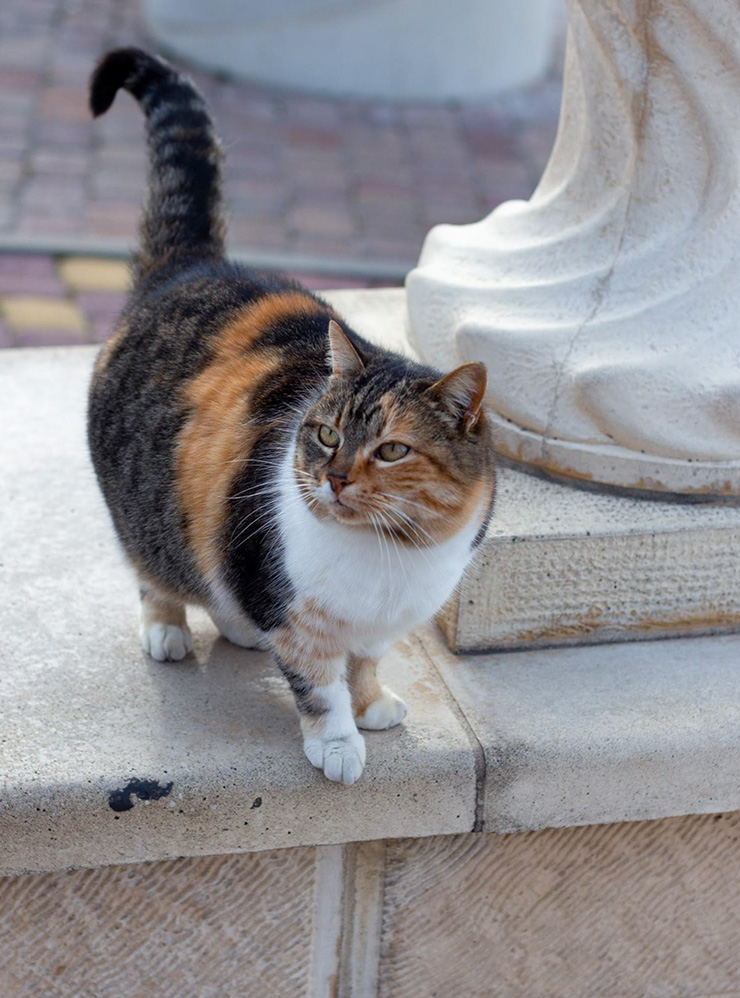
<point x="103" y="358"/>
<point x="312" y="641"/>
<point x="217" y="439"/>
<point x="363" y="683"/>
<point x="159" y="609"/>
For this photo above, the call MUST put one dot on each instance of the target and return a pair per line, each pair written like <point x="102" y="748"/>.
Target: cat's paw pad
<point x="342" y="759"/>
<point x="385" y="712"/>
<point x="166" y="641"/>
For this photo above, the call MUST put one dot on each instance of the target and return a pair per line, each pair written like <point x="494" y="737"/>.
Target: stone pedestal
<point x="607" y="308"/>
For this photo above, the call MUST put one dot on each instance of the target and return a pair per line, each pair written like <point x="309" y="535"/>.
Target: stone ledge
<point x="567" y="737"/>
<point x="601" y="734"/>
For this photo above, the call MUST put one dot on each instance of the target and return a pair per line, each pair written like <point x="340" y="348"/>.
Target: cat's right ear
<point x="344" y="360"/>
<point x="461" y="392"/>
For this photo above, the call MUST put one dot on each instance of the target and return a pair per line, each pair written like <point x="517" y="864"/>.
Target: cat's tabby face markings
<point x="383" y="449"/>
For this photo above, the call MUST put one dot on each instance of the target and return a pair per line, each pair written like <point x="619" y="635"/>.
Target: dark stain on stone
<point x="120" y="800"/>
<point x="256" y="803"/>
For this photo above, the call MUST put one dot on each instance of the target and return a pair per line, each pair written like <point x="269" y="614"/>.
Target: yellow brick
<point x="90" y="274"/>
<point x="29" y="312"/>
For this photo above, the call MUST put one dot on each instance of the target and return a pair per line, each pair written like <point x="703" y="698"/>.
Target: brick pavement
<point x="324" y="177"/>
<point x="65" y="300"/>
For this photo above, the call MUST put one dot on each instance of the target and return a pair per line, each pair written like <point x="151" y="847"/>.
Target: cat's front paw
<point x="385" y="712"/>
<point x="166" y="641"/>
<point x="342" y="759"/>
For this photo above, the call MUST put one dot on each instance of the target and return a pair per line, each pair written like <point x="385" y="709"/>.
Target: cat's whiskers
<point x="382" y="546"/>
<point x="423" y="551"/>
<point x="388" y="535"/>
<point x="255" y="493"/>
<point x="267" y="489"/>
<point x="411" y="523"/>
<point x="397" y="527"/>
<point x="237" y="539"/>
<point x="434" y="514"/>
<point x="377" y="537"/>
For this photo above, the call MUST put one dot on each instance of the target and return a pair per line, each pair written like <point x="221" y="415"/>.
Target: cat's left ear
<point x="345" y="361"/>
<point x="461" y="392"/>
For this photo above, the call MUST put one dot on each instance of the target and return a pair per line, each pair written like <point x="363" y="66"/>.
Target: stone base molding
<point x="607" y="308"/>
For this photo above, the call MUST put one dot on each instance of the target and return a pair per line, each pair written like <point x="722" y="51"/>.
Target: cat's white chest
<point x="380" y="588"/>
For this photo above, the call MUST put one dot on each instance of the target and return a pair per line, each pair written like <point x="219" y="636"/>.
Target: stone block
<point x="600" y="734"/>
<point x="629" y="909"/>
<point x="562" y="565"/>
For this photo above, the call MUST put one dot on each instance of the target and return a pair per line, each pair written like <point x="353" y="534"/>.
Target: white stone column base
<point x="607" y="307"/>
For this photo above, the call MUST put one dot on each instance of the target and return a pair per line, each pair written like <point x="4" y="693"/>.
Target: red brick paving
<point x="38" y="277"/>
<point x="360" y="180"/>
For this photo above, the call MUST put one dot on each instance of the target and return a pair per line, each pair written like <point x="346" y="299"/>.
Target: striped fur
<point x="183" y="218"/>
<point x="209" y="413"/>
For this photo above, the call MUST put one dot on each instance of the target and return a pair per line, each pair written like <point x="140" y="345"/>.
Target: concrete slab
<point x="84" y="711"/>
<point x="624" y="732"/>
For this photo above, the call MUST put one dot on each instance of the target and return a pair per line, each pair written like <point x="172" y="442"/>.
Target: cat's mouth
<point x="342" y="507"/>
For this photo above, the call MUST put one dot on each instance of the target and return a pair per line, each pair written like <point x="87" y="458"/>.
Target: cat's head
<point x="391" y="445"/>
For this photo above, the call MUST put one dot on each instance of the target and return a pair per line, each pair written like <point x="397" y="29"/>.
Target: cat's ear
<point x="461" y="392"/>
<point x="344" y="360"/>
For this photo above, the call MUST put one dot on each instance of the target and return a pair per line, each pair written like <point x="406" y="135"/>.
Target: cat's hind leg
<point x="164" y="632"/>
<point x="375" y="707"/>
<point x="239" y="631"/>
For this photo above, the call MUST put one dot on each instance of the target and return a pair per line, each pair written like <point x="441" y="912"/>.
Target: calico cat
<point x="319" y="495"/>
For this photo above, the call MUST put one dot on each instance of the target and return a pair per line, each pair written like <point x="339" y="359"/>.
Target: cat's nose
<point x="337" y="482"/>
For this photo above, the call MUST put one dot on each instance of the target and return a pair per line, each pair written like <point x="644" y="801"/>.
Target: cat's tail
<point x="183" y="216"/>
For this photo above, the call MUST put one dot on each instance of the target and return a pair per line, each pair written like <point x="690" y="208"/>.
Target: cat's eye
<point x="328" y="436"/>
<point x="392" y="451"/>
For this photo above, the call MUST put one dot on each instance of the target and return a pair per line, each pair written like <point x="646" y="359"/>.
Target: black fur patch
<point x="183" y="217"/>
<point x="253" y="564"/>
<point x="303" y="691"/>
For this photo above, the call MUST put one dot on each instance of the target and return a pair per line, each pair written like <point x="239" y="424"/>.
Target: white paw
<point x="385" y="712"/>
<point x="342" y="759"/>
<point x="165" y="641"/>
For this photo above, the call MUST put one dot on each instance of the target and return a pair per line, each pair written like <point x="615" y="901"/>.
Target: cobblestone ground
<point x="325" y="177"/>
<point x="344" y="180"/>
<point x="63" y="300"/>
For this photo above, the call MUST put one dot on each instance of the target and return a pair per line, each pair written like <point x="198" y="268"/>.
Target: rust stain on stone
<point x="592" y="622"/>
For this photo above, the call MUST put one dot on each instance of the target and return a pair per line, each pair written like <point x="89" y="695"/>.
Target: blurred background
<point x="350" y="126"/>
